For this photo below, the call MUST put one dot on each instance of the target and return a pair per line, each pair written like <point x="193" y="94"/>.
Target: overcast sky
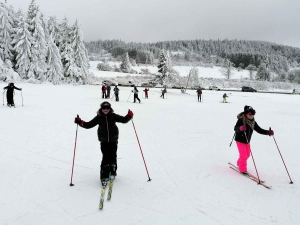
<point x="159" y="20"/>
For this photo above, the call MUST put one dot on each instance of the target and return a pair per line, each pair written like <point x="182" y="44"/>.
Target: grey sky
<point x="158" y="20"/>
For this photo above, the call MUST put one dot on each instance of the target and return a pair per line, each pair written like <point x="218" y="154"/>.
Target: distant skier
<point x="135" y="94"/>
<point x="199" y="93"/>
<point x="10" y="94"/>
<point x="163" y="92"/>
<point x="108" y="91"/>
<point x="116" y="92"/>
<point x="103" y="91"/>
<point x="243" y="131"/>
<point x="108" y="135"/>
<point x="146" y="92"/>
<point x="224" y="98"/>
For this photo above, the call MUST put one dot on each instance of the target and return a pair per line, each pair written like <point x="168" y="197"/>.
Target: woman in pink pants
<point x="243" y="131"/>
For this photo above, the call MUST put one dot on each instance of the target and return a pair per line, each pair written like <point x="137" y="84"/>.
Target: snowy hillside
<point x="205" y="72"/>
<point x="186" y="148"/>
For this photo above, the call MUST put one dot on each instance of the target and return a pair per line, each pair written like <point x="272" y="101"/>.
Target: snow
<point x="185" y="145"/>
<point x="205" y="72"/>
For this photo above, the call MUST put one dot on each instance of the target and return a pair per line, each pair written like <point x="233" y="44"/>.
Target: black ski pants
<point x="135" y="96"/>
<point x="109" y="159"/>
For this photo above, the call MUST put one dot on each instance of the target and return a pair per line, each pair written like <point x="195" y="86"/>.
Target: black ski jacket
<point x="107" y="130"/>
<point x="10" y="90"/>
<point x="240" y="135"/>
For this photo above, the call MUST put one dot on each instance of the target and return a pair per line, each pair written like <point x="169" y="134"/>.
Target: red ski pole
<point x="141" y="150"/>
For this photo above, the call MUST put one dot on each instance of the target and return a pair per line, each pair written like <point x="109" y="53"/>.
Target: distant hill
<point x="242" y="53"/>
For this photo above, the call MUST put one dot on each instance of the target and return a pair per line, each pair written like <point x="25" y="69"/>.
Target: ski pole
<point x="291" y="182"/>
<point x="141" y="150"/>
<point x="232" y="139"/>
<point x="129" y="97"/>
<point x="22" y="97"/>
<point x="253" y="159"/>
<point x="71" y="184"/>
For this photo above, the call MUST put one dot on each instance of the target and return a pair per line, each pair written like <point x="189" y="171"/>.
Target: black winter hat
<point x="105" y="103"/>
<point x="249" y="109"/>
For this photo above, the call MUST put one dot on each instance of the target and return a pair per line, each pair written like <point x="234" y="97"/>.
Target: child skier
<point x="224" y="98"/>
<point x="108" y="135"/>
<point x="146" y="92"/>
<point x="10" y="94"/>
<point x="135" y="94"/>
<point x="103" y="91"/>
<point x="116" y="92"/>
<point x="243" y="131"/>
<point x="199" y="92"/>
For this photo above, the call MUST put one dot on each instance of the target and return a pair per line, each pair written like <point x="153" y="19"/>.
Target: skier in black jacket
<point x="243" y="131"/>
<point x="10" y="94"/>
<point x="108" y="135"/>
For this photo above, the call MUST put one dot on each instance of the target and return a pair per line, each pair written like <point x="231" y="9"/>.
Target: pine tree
<point x="38" y="42"/>
<point x="80" y="53"/>
<point x="251" y="69"/>
<point x="263" y="73"/>
<point x="6" y="29"/>
<point x="22" y="47"/>
<point x="125" y="65"/>
<point x="55" y="68"/>
<point x="162" y="67"/>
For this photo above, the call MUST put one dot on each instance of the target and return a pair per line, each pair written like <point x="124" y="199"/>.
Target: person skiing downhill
<point x="108" y="135"/>
<point x="199" y="93"/>
<point x="135" y="94"/>
<point x="224" y="98"/>
<point x="10" y="94"/>
<point x="243" y="131"/>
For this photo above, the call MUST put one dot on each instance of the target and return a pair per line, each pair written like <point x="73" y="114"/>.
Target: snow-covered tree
<point x="55" y="68"/>
<point x="263" y="73"/>
<point x="6" y="29"/>
<point x="162" y="63"/>
<point x="125" y="65"/>
<point x="194" y="77"/>
<point x="251" y="69"/>
<point x="38" y="42"/>
<point x="54" y="30"/>
<point x="22" y="47"/>
<point x="80" y="53"/>
<point x="227" y="69"/>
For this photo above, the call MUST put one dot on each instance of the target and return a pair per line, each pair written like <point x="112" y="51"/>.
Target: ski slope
<point x="186" y="148"/>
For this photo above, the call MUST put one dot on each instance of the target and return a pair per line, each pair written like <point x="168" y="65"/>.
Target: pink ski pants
<point x="244" y="150"/>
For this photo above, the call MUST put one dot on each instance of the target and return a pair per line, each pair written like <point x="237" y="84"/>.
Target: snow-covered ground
<point x="186" y="148"/>
<point x="205" y="72"/>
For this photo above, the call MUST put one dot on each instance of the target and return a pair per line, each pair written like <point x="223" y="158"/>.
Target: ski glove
<point x="243" y="128"/>
<point x="130" y="113"/>
<point x="270" y="132"/>
<point x="78" y="121"/>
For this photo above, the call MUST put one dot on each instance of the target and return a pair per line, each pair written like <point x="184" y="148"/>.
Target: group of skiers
<point x="108" y="133"/>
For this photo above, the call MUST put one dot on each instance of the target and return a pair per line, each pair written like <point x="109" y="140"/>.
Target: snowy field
<point x="205" y="72"/>
<point x="186" y="148"/>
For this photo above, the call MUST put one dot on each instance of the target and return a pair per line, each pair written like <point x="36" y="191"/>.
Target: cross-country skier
<point x="108" y="135"/>
<point x="108" y="91"/>
<point x="10" y="94"/>
<point x="135" y="94"/>
<point x="243" y="131"/>
<point x="146" y="92"/>
<point x="103" y="91"/>
<point x="224" y="98"/>
<point x="199" y="93"/>
<point x="116" y="92"/>
<point x="163" y="92"/>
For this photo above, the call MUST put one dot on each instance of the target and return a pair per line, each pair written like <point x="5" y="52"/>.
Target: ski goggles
<point x="251" y="113"/>
<point x="106" y="107"/>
